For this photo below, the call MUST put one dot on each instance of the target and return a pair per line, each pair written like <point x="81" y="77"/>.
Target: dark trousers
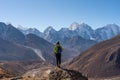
<point x="58" y="59"/>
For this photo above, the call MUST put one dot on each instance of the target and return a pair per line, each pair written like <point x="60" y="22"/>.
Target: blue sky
<point x="59" y="13"/>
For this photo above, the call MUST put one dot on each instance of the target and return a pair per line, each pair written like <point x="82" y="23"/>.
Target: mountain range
<point x="79" y="37"/>
<point x="82" y="30"/>
<point x="26" y="31"/>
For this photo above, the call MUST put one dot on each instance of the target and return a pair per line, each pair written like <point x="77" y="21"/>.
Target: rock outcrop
<point x="4" y="74"/>
<point x="54" y="74"/>
<point x="65" y="74"/>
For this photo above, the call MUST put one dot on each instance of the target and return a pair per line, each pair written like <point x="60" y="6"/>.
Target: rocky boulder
<point x="65" y="74"/>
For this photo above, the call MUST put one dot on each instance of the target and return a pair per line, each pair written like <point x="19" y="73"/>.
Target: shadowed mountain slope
<point x="78" y="43"/>
<point x="43" y="48"/>
<point x="13" y="52"/>
<point x="10" y="33"/>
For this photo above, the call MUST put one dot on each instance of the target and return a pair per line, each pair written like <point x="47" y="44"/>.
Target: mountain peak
<point x="64" y="29"/>
<point x="8" y="24"/>
<point x="73" y="26"/>
<point x="49" y="29"/>
<point x="26" y="29"/>
<point x="84" y="25"/>
<point x="111" y="25"/>
<point x="33" y="29"/>
<point x="21" y="27"/>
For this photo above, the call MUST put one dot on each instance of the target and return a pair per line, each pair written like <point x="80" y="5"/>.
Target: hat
<point x="58" y="42"/>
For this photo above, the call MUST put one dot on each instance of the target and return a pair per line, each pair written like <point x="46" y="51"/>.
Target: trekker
<point x="57" y="51"/>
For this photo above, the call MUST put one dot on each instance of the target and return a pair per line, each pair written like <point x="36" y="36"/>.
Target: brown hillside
<point x="101" y="60"/>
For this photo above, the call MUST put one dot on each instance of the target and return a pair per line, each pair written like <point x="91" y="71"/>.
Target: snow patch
<point x="21" y="27"/>
<point x="39" y="53"/>
<point x="92" y="38"/>
<point x="73" y="26"/>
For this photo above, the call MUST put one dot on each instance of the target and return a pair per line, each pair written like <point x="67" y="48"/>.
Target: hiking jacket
<point x="56" y="48"/>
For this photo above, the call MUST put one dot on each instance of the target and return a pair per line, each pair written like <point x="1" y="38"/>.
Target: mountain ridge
<point x="10" y="33"/>
<point x="84" y="30"/>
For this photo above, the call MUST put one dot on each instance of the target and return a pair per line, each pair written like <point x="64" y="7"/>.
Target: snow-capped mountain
<point x="30" y="30"/>
<point x="75" y="29"/>
<point x="107" y="32"/>
<point x="21" y="27"/>
<point x="66" y="33"/>
<point x="49" y="30"/>
<point x="83" y="30"/>
<point x="50" y="34"/>
<point x="73" y="26"/>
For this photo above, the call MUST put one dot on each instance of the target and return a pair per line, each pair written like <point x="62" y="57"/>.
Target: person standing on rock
<point x="57" y="51"/>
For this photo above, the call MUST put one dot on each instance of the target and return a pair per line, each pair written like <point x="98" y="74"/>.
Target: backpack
<point x="59" y="49"/>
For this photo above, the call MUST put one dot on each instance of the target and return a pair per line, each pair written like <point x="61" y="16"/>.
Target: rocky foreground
<point x="65" y="74"/>
<point x="54" y="74"/>
<point x="50" y="74"/>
